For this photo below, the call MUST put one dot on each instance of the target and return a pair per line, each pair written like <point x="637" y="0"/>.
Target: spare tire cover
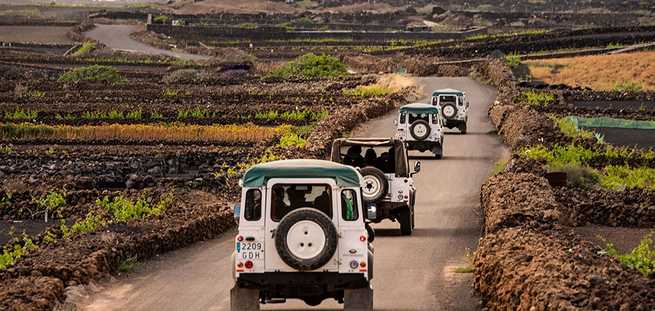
<point x="375" y="186"/>
<point x="306" y="239"/>
<point x="420" y="129"/>
<point x="449" y="111"/>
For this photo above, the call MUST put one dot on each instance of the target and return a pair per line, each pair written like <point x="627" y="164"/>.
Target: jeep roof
<point x="419" y="108"/>
<point x="447" y="91"/>
<point x="344" y="175"/>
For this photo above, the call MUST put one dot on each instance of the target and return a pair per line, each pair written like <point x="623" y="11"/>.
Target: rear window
<point x="288" y="197"/>
<point x="349" y="206"/>
<point x="253" y="208"/>
<point x="452" y="99"/>
<point x="382" y="157"/>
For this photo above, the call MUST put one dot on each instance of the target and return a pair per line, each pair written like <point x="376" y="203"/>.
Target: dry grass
<point x="601" y="72"/>
<point x="142" y="133"/>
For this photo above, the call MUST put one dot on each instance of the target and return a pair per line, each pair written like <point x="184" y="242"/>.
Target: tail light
<point x="249" y="264"/>
<point x="362" y="264"/>
<point x="362" y="238"/>
<point x="240" y="238"/>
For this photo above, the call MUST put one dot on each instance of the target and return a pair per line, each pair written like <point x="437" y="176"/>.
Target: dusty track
<point x="411" y="273"/>
<point x="118" y="37"/>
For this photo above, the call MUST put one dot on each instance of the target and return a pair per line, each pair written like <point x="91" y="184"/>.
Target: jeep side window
<point x="435" y="101"/>
<point x="403" y="117"/>
<point x="253" y="210"/>
<point x="435" y="118"/>
<point x="349" y="208"/>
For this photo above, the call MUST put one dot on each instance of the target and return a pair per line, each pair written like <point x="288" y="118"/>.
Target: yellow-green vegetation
<point x="569" y="128"/>
<point x="161" y="19"/>
<point x="20" y="114"/>
<point x="248" y="25"/>
<point x="368" y="91"/>
<point x="499" y="166"/>
<point x="122" y="209"/>
<point x="641" y="258"/>
<point x="467" y="269"/>
<point x="50" y="202"/>
<point x="11" y="253"/>
<point x="536" y="99"/>
<point x="295" y="115"/>
<point x="93" y="73"/>
<point x="513" y="59"/>
<point x="614" y="45"/>
<point x="312" y="66"/>
<point x="128" y="264"/>
<point x="575" y="160"/>
<point x="291" y="139"/>
<point x="140" y="132"/>
<point x="85" y="49"/>
<point x="6" y="149"/>
<point x="628" y="87"/>
<point x="91" y="223"/>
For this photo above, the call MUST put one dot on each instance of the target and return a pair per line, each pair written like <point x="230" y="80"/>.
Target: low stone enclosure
<point x="529" y="257"/>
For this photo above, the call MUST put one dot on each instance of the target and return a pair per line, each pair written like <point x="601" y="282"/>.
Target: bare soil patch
<point x="624" y="239"/>
<point x="35" y="34"/>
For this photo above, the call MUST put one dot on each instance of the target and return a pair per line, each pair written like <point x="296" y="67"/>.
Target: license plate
<point x="250" y="250"/>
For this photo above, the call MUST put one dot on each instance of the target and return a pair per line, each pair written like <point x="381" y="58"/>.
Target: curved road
<point x="411" y="273"/>
<point x="117" y="37"/>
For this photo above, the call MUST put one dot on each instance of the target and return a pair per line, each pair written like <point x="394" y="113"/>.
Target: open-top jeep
<point x="420" y="127"/>
<point x="454" y="106"/>
<point x="388" y="188"/>
<point x="302" y="235"/>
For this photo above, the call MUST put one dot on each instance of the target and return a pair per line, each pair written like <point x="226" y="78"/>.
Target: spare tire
<point x="306" y="239"/>
<point x="420" y="129"/>
<point x="375" y="184"/>
<point x="449" y="111"/>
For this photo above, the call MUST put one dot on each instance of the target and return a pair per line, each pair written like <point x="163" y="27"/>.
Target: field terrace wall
<point x="268" y="33"/>
<point x="533" y="43"/>
<point x="527" y="258"/>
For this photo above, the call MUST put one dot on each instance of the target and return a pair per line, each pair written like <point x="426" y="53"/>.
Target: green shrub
<point x="641" y="258"/>
<point x="128" y="264"/>
<point x="536" y="99"/>
<point x="291" y="139"/>
<point x="85" y="49"/>
<point x="368" y="91"/>
<point x="247" y="25"/>
<point x="161" y="19"/>
<point x="122" y="209"/>
<point x="50" y="202"/>
<point x="20" y="114"/>
<point x="93" y="73"/>
<point x="91" y="223"/>
<point x="312" y="66"/>
<point x="621" y="177"/>
<point x="499" y="166"/>
<point x="11" y="254"/>
<point x="627" y="87"/>
<point x="613" y="45"/>
<point x="568" y="127"/>
<point x="513" y="59"/>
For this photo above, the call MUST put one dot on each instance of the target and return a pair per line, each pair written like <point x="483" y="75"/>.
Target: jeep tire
<point x="244" y="299"/>
<point x="462" y="127"/>
<point x="437" y="150"/>
<point x="405" y="218"/>
<point x="449" y="111"/>
<point x="358" y="299"/>
<point x="306" y="239"/>
<point x="420" y="130"/>
<point x="375" y="184"/>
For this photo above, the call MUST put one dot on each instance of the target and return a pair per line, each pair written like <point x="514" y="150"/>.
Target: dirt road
<point x="411" y="273"/>
<point x="118" y="37"/>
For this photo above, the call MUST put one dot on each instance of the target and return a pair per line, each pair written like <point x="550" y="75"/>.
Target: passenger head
<point x="354" y="150"/>
<point x="370" y="156"/>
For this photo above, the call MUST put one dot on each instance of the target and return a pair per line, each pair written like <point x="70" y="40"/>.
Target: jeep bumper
<point x="302" y="285"/>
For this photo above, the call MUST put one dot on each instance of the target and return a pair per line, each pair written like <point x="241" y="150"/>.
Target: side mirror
<point x="370" y="231"/>
<point x="371" y="212"/>
<point x="237" y="211"/>
<point x="395" y="122"/>
<point x="417" y="167"/>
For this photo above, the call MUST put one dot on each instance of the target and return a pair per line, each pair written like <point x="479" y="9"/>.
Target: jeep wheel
<point x="375" y="184"/>
<point x="405" y="220"/>
<point x="359" y="299"/>
<point x="437" y="150"/>
<point x="244" y="299"/>
<point x="449" y="111"/>
<point x="306" y="239"/>
<point x="420" y="129"/>
<point x="462" y="128"/>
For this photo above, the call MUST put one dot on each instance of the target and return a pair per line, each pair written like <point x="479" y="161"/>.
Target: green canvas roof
<point x="258" y="175"/>
<point x="419" y="108"/>
<point x="446" y="92"/>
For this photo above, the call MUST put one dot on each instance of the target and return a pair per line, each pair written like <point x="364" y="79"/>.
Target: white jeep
<point x="420" y="126"/>
<point x="388" y="189"/>
<point x="302" y="235"/>
<point x="454" y="106"/>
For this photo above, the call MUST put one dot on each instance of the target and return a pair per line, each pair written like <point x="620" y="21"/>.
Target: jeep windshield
<point x="288" y="197"/>
<point x="381" y="157"/>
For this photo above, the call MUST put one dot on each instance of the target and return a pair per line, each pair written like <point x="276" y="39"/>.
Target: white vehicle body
<point x="420" y="126"/>
<point x="301" y="237"/>
<point x="454" y="106"/>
